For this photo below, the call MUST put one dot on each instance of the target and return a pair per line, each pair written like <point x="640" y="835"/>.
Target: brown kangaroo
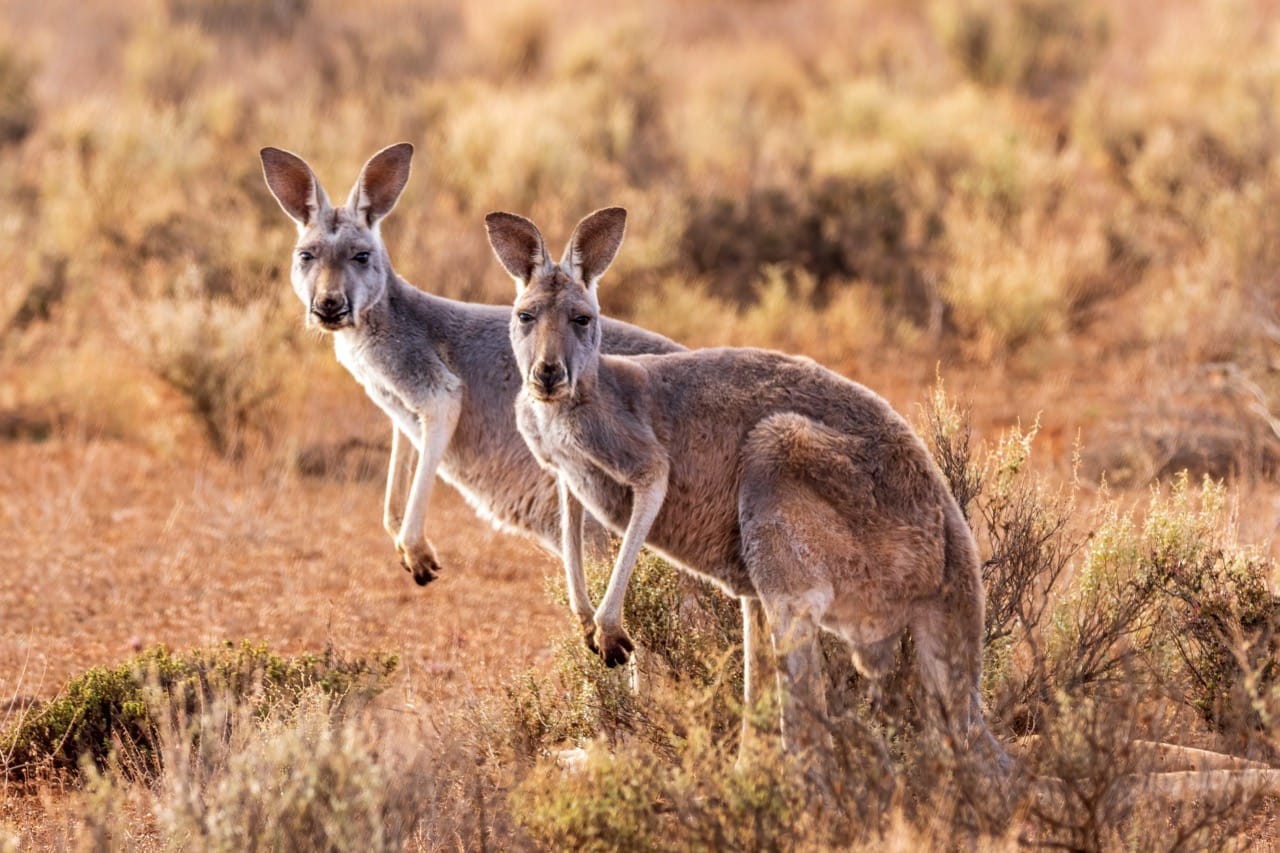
<point x="768" y="474"/>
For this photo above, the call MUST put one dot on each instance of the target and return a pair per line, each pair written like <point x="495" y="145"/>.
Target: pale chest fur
<point x="553" y="438"/>
<point x="560" y="442"/>
<point x="379" y="385"/>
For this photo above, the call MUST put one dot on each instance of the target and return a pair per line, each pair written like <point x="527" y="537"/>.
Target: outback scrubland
<point x="1042" y="229"/>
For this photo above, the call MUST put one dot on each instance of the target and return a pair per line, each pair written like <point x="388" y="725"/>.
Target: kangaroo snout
<point x="548" y="378"/>
<point x="331" y="310"/>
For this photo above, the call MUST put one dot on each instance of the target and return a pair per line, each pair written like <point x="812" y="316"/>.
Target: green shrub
<point x="112" y="709"/>
<point x="1221" y="615"/>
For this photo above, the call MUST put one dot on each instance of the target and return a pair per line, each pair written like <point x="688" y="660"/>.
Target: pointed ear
<point x="380" y="183"/>
<point x="594" y="243"/>
<point x="294" y="185"/>
<point x="518" y="244"/>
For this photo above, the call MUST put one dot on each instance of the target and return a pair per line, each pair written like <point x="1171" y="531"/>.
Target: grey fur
<point x="775" y="478"/>
<point x="441" y="370"/>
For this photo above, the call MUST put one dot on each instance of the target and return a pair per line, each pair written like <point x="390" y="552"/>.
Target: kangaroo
<point x="777" y="479"/>
<point x="441" y="370"/>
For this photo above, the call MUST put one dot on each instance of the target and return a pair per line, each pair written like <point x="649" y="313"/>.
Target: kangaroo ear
<point x="518" y="244"/>
<point x="380" y="183"/>
<point x="594" y="244"/>
<point x="294" y="185"/>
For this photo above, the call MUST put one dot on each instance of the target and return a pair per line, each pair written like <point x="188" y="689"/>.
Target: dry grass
<point x="1062" y="208"/>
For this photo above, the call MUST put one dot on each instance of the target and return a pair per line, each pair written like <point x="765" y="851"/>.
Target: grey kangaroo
<point x="441" y="370"/>
<point x="773" y="477"/>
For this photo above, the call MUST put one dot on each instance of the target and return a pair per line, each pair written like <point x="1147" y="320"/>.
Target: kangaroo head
<point x="555" y="325"/>
<point x="340" y="266"/>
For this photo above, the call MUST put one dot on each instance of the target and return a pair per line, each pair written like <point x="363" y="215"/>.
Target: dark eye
<point x="583" y="320"/>
<point x="524" y="316"/>
<point x="361" y="257"/>
<point x="306" y="257"/>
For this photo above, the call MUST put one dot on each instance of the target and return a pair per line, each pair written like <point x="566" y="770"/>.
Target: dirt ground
<point x="110" y="548"/>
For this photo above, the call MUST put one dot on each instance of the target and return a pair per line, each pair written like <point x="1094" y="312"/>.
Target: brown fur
<point x="766" y="473"/>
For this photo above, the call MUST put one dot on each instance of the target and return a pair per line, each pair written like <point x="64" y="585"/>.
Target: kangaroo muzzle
<point x="332" y="311"/>
<point x="548" y="380"/>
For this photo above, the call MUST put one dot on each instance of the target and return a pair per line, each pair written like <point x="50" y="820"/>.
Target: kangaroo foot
<point x="420" y="561"/>
<point x="613" y="646"/>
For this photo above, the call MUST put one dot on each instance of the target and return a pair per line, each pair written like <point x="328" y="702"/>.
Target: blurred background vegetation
<point x="1059" y="207"/>
<point x="1020" y="190"/>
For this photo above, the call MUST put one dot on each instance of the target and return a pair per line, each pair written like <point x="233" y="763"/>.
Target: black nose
<point x="332" y="306"/>
<point x="548" y="375"/>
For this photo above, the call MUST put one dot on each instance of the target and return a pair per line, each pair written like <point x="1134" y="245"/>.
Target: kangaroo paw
<point x="614" y="647"/>
<point x="421" y="562"/>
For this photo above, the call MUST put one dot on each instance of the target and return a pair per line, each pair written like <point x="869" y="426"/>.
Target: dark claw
<point x="422" y="574"/>
<point x="618" y="651"/>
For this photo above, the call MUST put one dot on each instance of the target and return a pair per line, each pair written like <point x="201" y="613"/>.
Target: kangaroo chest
<point x="380" y="386"/>
<point x="605" y="497"/>
<point x="484" y="458"/>
<point x="697" y="527"/>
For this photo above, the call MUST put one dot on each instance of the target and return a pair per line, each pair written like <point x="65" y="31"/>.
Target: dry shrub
<point x="294" y="780"/>
<point x="252" y="19"/>
<point x="782" y="310"/>
<point x="514" y="150"/>
<point x="1010" y="284"/>
<point x="168" y="62"/>
<point x="18" y="109"/>
<point x="96" y="389"/>
<point x="1026" y="530"/>
<point x="511" y="39"/>
<point x="574" y="142"/>
<point x="1184" y="125"/>
<point x="621" y="66"/>
<point x="320" y="772"/>
<point x="841" y="229"/>
<point x="633" y="800"/>
<point x="1039" y="47"/>
<point x="226" y="359"/>
<point x="738" y="111"/>
<point x="1095" y="793"/>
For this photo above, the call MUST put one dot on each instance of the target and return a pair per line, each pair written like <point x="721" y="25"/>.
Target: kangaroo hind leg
<point x="785" y="545"/>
